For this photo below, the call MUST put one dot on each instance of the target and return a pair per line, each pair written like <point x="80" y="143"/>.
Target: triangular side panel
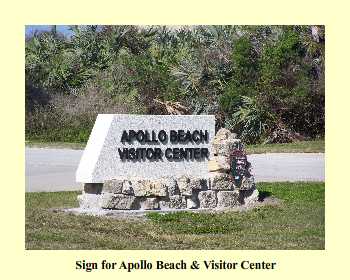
<point x="93" y="149"/>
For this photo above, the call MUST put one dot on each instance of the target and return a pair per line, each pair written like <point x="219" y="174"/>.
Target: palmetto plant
<point x="264" y="81"/>
<point x="251" y="120"/>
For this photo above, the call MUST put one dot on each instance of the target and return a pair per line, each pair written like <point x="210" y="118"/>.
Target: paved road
<point x="279" y="167"/>
<point x="51" y="169"/>
<point x="54" y="169"/>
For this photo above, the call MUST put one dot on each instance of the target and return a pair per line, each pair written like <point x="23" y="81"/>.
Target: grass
<point x="315" y="146"/>
<point x="297" y="223"/>
<point x="56" y="145"/>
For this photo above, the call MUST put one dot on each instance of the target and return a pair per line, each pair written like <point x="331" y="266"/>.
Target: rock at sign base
<point x="184" y="186"/>
<point x="150" y="188"/>
<point x="224" y="134"/>
<point x="247" y="183"/>
<point x="118" y="201"/>
<point x="113" y="186"/>
<point x="224" y="142"/>
<point x="225" y="148"/>
<point x="174" y="202"/>
<point x="127" y="188"/>
<point x="221" y="181"/>
<point x="89" y="201"/>
<point x="213" y="165"/>
<point x="195" y="184"/>
<point x="219" y="163"/>
<point x="172" y="187"/>
<point x="228" y="199"/>
<point x="249" y="197"/>
<point x="207" y="199"/>
<point x="149" y="203"/>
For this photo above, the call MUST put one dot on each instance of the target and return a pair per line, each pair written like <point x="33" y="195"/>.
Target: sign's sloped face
<point x="147" y="147"/>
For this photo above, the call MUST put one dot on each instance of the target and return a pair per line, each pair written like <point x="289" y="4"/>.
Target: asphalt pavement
<point x="50" y="170"/>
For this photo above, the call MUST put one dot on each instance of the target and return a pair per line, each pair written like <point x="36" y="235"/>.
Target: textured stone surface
<point x="205" y="183"/>
<point x="249" y="197"/>
<point x="127" y="187"/>
<point x="118" y="201"/>
<point x="207" y="199"/>
<point x="224" y="149"/>
<point x="184" y="185"/>
<point x="228" y="199"/>
<point x="224" y="134"/>
<point x="171" y="185"/>
<point x="224" y="142"/>
<point x="173" y="202"/>
<point x="188" y="185"/>
<point x="113" y="186"/>
<point x="150" y="188"/>
<point x="150" y="203"/>
<point x="100" y="160"/>
<point x="195" y="184"/>
<point x="221" y="181"/>
<point x="219" y="163"/>
<point x="89" y="201"/>
<point x="247" y="183"/>
<point x="93" y="188"/>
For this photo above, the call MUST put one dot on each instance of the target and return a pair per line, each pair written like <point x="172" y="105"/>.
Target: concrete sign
<point x="147" y="147"/>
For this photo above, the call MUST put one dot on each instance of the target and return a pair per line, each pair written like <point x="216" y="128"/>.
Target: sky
<point x="30" y="29"/>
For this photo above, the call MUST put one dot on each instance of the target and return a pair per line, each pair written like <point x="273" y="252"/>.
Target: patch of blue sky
<point x="64" y="29"/>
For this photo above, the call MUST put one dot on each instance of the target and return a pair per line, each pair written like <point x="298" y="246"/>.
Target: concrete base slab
<point x="126" y="214"/>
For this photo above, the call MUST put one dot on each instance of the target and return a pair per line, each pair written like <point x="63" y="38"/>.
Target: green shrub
<point x="253" y="121"/>
<point x="264" y="82"/>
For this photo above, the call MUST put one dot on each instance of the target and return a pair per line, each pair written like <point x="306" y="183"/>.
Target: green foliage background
<point x="266" y="83"/>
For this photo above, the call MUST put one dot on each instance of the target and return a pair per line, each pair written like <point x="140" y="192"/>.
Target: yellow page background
<point x="18" y="263"/>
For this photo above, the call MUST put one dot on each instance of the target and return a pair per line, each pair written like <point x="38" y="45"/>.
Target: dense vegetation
<point x="264" y="82"/>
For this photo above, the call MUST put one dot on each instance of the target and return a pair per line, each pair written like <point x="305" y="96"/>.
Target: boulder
<point x="195" y="184"/>
<point x="150" y="188"/>
<point x="224" y="142"/>
<point x="187" y="185"/>
<point x="225" y="148"/>
<point x="224" y="134"/>
<point x="89" y="201"/>
<point x="127" y="188"/>
<point x="219" y="163"/>
<point x="172" y="187"/>
<point x="118" y="201"/>
<point x="247" y="183"/>
<point x="213" y="165"/>
<point x="113" y="186"/>
<point x="249" y="197"/>
<point x="228" y="199"/>
<point x="221" y="181"/>
<point x="173" y="202"/>
<point x="207" y="199"/>
<point x="184" y="186"/>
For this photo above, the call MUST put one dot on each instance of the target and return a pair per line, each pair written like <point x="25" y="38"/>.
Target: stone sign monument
<point x="146" y="147"/>
<point x="162" y="162"/>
